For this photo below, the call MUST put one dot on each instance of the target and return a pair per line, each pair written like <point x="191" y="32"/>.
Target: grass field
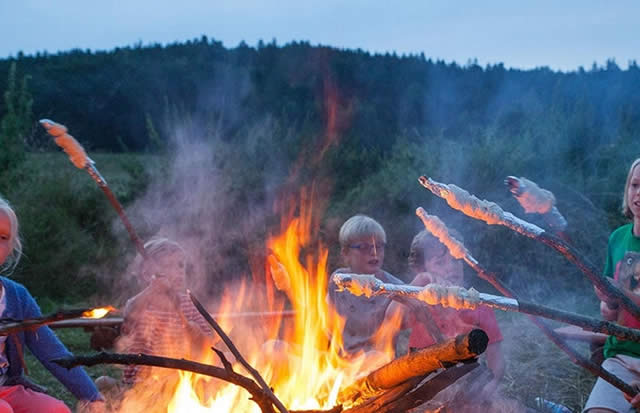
<point x="77" y="341"/>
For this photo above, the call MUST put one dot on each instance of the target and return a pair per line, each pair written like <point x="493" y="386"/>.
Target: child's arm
<point x="46" y="346"/>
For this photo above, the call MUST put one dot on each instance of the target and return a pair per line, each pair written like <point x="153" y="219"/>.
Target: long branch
<point x="492" y="214"/>
<point x="236" y="353"/>
<point x="460" y="252"/>
<point x="258" y="394"/>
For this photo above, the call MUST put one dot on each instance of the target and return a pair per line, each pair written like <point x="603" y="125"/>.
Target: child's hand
<point x="608" y="313"/>
<point x="635" y="401"/>
<point x="422" y="279"/>
<point x="97" y="406"/>
<point x="160" y="284"/>
<point x="604" y="297"/>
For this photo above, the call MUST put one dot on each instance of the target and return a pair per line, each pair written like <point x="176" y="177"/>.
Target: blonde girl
<point x="16" y="392"/>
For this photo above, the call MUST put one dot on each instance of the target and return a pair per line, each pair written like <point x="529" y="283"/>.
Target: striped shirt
<point x="157" y="325"/>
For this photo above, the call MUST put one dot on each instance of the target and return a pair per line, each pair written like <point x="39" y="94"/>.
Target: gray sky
<point x="561" y="34"/>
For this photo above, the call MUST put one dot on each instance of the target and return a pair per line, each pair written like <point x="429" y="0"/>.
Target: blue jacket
<point x="42" y="343"/>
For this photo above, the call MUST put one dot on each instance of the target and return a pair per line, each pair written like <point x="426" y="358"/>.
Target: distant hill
<point x="110" y="97"/>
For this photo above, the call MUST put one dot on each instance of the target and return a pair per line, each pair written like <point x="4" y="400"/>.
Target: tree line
<point x="380" y="120"/>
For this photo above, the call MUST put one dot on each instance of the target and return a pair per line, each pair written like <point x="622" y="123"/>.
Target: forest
<point x="200" y="141"/>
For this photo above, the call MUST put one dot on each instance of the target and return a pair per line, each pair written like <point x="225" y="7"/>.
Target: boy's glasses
<point x="366" y="248"/>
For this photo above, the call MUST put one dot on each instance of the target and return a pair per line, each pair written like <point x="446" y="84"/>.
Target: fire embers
<point x="629" y="275"/>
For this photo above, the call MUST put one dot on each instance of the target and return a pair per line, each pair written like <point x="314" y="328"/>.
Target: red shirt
<point x="452" y="322"/>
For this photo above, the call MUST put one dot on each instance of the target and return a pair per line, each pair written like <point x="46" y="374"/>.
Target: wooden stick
<point x="491" y="278"/>
<point x="258" y="394"/>
<point x="234" y="350"/>
<point x="492" y="214"/>
<point x="79" y="158"/>
<point x="418" y="363"/>
<point x="88" y="323"/>
<point x="461" y="298"/>
<point x="10" y="326"/>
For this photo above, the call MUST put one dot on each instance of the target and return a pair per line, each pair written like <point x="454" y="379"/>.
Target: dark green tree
<point x="16" y="121"/>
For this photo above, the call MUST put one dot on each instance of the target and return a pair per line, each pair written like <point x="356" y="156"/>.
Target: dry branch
<point x="573" y="355"/>
<point x="492" y="214"/>
<point x="258" y="395"/>
<point x="415" y="364"/>
<point x="236" y="353"/>
<point x="228" y="375"/>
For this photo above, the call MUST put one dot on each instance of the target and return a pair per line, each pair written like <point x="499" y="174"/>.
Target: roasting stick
<point x="236" y="353"/>
<point x="11" y="326"/>
<point x="461" y="298"/>
<point x="492" y="214"/>
<point x="79" y="158"/>
<point x="458" y="250"/>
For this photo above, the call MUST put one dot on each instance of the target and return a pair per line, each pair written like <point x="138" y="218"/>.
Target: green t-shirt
<point x="620" y="241"/>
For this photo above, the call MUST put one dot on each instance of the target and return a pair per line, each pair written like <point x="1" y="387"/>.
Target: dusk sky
<point x="562" y="35"/>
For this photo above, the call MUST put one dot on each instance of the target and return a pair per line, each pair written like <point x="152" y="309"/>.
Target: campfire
<point x="285" y="353"/>
<point x="296" y="363"/>
<point x="300" y="357"/>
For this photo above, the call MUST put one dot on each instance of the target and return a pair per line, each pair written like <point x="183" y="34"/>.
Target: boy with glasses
<point x="362" y="243"/>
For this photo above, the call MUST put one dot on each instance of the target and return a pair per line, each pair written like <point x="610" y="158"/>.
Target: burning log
<point x="492" y="214"/>
<point x="416" y="392"/>
<point x="442" y="234"/>
<point x="461" y="298"/>
<point x="416" y="364"/>
<point x="10" y="326"/>
<point x="80" y="160"/>
<point x="234" y="350"/>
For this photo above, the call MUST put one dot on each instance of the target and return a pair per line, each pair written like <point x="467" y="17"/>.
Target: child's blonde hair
<point x="359" y="226"/>
<point x="14" y="241"/>
<point x="625" y="199"/>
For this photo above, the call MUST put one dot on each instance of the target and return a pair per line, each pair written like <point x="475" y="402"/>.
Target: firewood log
<point x="415" y="364"/>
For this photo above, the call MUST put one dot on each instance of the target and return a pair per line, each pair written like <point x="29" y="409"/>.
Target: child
<point x="362" y="243"/>
<point x="161" y="320"/>
<point x="622" y="358"/>
<point x="16" y="392"/>
<point x="430" y="260"/>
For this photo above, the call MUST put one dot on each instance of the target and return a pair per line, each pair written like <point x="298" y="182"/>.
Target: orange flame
<point x="295" y="343"/>
<point x="98" y="312"/>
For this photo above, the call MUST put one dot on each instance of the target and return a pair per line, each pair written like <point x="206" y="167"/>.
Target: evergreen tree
<point x="16" y="122"/>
